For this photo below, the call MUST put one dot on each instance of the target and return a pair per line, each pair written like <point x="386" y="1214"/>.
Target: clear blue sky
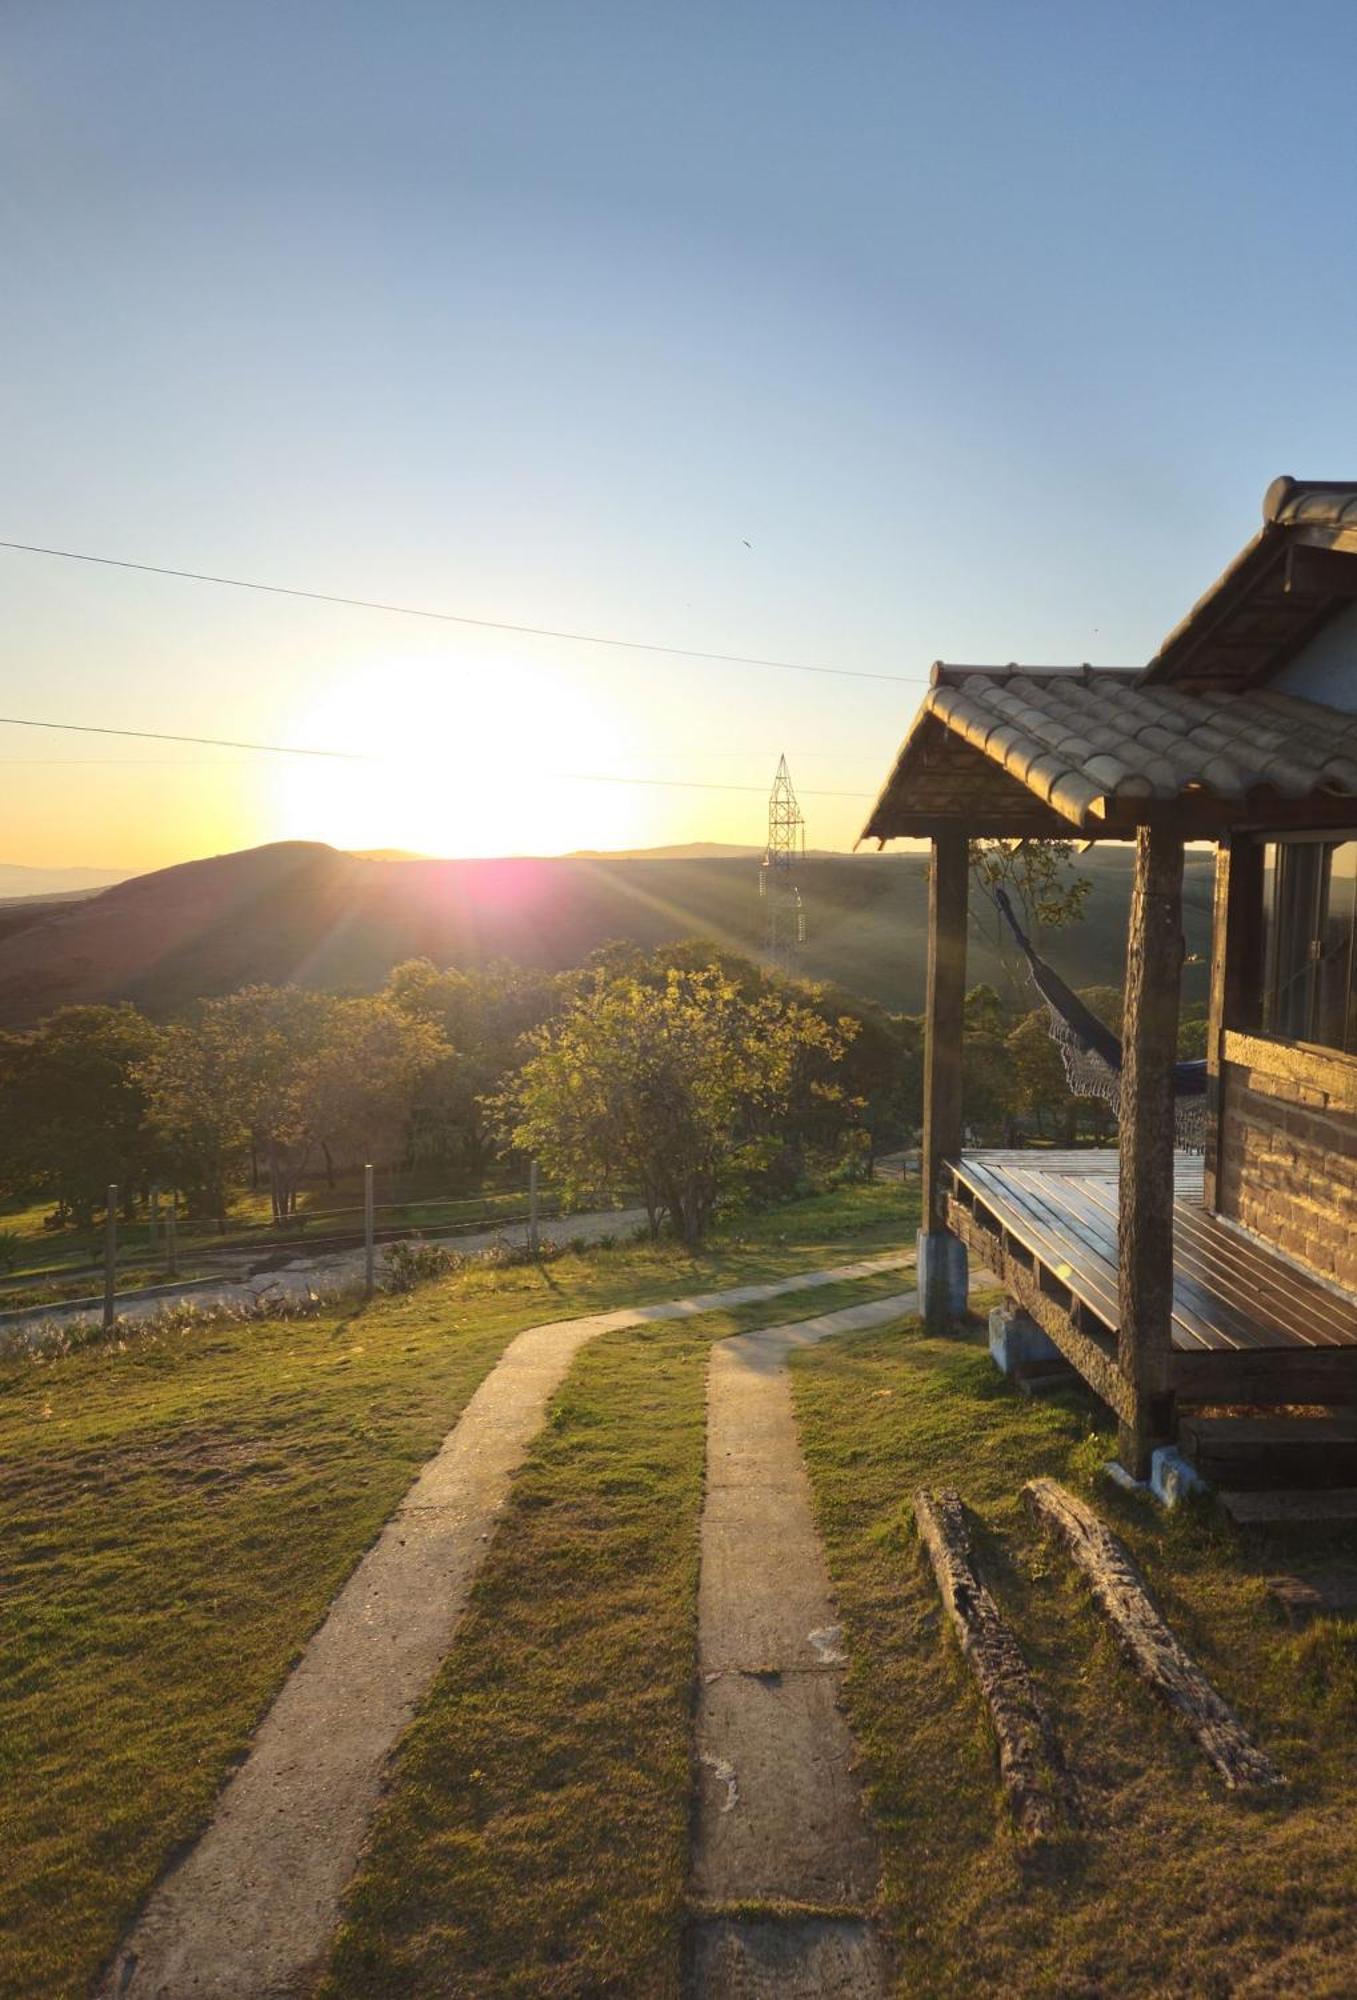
<point x="986" y="325"/>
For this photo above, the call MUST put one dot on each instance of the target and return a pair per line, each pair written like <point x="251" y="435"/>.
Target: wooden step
<point x="1255" y="1453"/>
<point x="1045" y="1378"/>
<point x="1296" y="1507"/>
<point x="1327" y="1592"/>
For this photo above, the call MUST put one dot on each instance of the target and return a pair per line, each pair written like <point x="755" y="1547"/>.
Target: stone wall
<point x="1287" y="1166"/>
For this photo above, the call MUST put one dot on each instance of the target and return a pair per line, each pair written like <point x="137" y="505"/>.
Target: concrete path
<point x="779" y="1818"/>
<point x="250" y="1913"/>
<point x="332" y="1271"/>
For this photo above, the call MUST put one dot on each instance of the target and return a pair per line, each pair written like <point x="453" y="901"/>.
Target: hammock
<point x="1092" y="1054"/>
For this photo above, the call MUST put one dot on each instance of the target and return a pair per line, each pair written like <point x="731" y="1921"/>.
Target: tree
<point x="359" y="1083"/>
<point x="73" y="1107"/>
<point x="671" y="1088"/>
<point x="196" y="1106"/>
<point x="283" y="1071"/>
<point x="481" y="1017"/>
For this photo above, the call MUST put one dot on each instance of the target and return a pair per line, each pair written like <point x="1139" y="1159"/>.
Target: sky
<point x="844" y="334"/>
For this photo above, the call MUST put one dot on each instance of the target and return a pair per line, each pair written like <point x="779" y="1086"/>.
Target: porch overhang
<point x="1048" y="752"/>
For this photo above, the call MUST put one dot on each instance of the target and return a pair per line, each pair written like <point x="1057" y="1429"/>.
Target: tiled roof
<point x="1096" y="749"/>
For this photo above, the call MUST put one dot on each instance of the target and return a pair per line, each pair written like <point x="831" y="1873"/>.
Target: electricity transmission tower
<point x="785" y="926"/>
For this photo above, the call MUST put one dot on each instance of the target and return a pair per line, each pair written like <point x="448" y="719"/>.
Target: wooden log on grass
<point x="1150" y="1645"/>
<point x="1029" y="1765"/>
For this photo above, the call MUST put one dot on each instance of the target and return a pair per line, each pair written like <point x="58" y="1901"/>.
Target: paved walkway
<point x="779" y="1818"/>
<point x="251" y="1911"/>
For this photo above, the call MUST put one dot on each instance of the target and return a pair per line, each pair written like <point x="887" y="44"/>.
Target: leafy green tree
<point x="196" y="1107"/>
<point x="360" y="1083"/>
<point x="284" y="1072"/>
<point x="674" y="1089"/>
<point x="481" y="1017"/>
<point x="73" y="1107"/>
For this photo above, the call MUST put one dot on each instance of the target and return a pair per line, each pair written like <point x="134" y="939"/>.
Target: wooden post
<point x="153" y="1220"/>
<point x="1236" y="974"/>
<point x="172" y="1235"/>
<point x="369" y="1236"/>
<point x="1154" y="957"/>
<point x="110" y="1255"/>
<point x="942" y="1265"/>
<point x="533" y="1242"/>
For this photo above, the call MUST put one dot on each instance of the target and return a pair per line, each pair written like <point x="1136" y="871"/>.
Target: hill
<point x="306" y="912"/>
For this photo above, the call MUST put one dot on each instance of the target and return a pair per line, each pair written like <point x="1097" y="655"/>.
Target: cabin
<point x="1180" y="1286"/>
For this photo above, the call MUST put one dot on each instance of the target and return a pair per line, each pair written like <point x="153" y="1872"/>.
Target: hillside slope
<point x="302" y="911"/>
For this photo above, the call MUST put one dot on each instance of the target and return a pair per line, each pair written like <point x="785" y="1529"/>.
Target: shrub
<point x="415" y="1262"/>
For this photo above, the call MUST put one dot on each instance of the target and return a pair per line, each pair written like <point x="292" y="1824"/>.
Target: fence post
<point x="153" y="1221"/>
<point x="532" y="1209"/>
<point x="110" y="1254"/>
<point x="369" y="1258"/>
<point x="172" y="1234"/>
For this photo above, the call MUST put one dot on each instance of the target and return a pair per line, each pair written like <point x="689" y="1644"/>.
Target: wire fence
<point x="165" y="1246"/>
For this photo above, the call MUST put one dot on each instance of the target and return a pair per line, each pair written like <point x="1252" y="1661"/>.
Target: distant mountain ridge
<point x="16" y="880"/>
<point x="303" y="911"/>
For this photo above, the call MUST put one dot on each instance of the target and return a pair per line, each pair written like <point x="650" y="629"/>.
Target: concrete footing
<point x="1172" y="1478"/>
<point x="1016" y="1341"/>
<point x="944" y="1277"/>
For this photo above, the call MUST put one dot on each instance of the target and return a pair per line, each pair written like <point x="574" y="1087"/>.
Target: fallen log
<point x="1029" y="1762"/>
<point x="1149" y="1644"/>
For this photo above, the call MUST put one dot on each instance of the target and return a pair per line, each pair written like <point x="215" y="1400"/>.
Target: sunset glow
<point x="452" y="763"/>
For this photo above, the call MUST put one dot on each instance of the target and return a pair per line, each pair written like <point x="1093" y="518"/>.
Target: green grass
<point x="1171" y="1885"/>
<point x="177" y="1510"/>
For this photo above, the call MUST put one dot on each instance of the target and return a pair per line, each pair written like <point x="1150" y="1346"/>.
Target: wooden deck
<point x="1245" y="1322"/>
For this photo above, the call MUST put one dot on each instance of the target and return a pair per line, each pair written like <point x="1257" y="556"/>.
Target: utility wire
<point x="461" y="618"/>
<point x="163" y="736"/>
<point x="364" y="757"/>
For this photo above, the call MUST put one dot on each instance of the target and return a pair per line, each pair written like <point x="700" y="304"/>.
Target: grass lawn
<point x="1171" y="1885"/>
<point x="177" y="1511"/>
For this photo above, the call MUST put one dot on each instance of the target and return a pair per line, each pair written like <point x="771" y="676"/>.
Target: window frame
<point x="1276" y="1011"/>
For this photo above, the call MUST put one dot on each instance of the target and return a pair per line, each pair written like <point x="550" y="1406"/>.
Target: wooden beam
<point x="1269" y="1376"/>
<point x="1154" y="957"/>
<point x="1030" y="1766"/>
<point x="1068" y="1324"/>
<point x="1236" y="973"/>
<point x="946" y="993"/>
<point x="1149" y="1644"/>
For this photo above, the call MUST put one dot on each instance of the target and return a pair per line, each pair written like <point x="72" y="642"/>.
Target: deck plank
<point x="1230" y="1295"/>
<point x="1263" y="1291"/>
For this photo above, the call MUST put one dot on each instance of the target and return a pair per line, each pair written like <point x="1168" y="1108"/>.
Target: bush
<point x="415" y="1263"/>
<point x="12" y="1248"/>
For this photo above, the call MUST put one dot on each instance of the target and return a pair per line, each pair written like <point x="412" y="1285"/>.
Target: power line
<point x="461" y="617"/>
<point x="163" y="736"/>
<point x="353" y="756"/>
<point x="691" y="784"/>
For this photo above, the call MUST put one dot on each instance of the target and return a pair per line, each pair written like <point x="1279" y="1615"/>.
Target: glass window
<point x="1310" y="916"/>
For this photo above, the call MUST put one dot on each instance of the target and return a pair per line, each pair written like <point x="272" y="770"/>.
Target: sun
<point x="456" y="760"/>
